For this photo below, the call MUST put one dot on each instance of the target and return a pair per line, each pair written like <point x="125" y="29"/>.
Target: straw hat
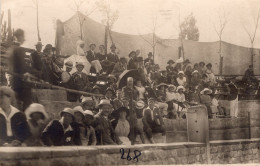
<point x="67" y="110"/>
<point x="78" y="109"/>
<point x="88" y="112"/>
<point x="79" y="64"/>
<point x="139" y="104"/>
<point x="195" y="72"/>
<point x="180" y="72"/>
<point x="5" y="90"/>
<point x="206" y="90"/>
<point x="33" y="108"/>
<point x="104" y="102"/>
<point x="180" y="87"/>
<point x="39" y="44"/>
<point x="69" y="64"/>
<point x="172" y="86"/>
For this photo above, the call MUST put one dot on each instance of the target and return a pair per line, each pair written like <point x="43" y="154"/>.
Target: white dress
<point x="122" y="130"/>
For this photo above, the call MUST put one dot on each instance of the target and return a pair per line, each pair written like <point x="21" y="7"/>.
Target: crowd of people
<point x="138" y="107"/>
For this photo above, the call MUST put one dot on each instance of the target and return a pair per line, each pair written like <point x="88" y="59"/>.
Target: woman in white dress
<point x="121" y="125"/>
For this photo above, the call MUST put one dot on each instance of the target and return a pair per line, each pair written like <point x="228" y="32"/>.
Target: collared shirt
<point x="8" y="119"/>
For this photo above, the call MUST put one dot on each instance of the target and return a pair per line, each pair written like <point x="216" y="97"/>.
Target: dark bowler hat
<point x="150" y="54"/>
<point x="170" y="61"/>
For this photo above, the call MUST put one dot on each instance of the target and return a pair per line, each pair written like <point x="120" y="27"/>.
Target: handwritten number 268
<point x="129" y="158"/>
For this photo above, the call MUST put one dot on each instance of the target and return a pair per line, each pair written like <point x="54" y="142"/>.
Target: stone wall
<point x="235" y="151"/>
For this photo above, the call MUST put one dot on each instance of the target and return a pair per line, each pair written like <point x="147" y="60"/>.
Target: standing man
<point x="37" y="57"/>
<point x="101" y="55"/>
<point x="112" y="56"/>
<point x="233" y="97"/>
<point x="20" y="70"/>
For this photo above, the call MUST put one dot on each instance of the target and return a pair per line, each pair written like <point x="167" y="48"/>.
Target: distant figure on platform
<point x="93" y="59"/>
<point x="37" y="57"/>
<point x="101" y="55"/>
<point x="249" y="74"/>
<point x="112" y="56"/>
<point x="129" y="91"/>
<point x="120" y="67"/>
<point x="14" y="129"/>
<point x="132" y="63"/>
<point x="149" y="59"/>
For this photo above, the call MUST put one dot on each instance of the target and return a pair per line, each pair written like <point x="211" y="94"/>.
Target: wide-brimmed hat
<point x="39" y="44"/>
<point x="132" y="52"/>
<point x="170" y="61"/>
<point x="150" y="54"/>
<point x="79" y="64"/>
<point x="206" y="90"/>
<point x="80" y="42"/>
<point x="172" y="86"/>
<point x="86" y="100"/>
<point x="180" y="87"/>
<point x="162" y="84"/>
<point x="139" y="104"/>
<point x="195" y="71"/>
<point x="78" y="109"/>
<point x="5" y="90"/>
<point x="69" y="64"/>
<point x="116" y="113"/>
<point x="104" y="102"/>
<point x="202" y="63"/>
<point x="113" y="46"/>
<point x="88" y="113"/>
<point x="33" y="108"/>
<point x="181" y="72"/>
<point x="67" y="110"/>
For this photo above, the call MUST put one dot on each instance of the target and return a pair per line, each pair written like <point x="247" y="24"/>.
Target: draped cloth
<point x="77" y="58"/>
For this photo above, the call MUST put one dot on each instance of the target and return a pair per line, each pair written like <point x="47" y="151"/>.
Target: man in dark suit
<point x="149" y="59"/>
<point x="101" y="55"/>
<point x="93" y="60"/>
<point x="152" y="120"/>
<point x="21" y="68"/>
<point x="132" y="63"/>
<point x="36" y="57"/>
<point x="112" y="56"/>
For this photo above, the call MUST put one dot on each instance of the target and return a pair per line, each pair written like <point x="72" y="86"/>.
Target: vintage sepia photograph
<point x="129" y="82"/>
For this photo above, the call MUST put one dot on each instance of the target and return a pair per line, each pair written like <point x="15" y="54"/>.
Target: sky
<point x="137" y="17"/>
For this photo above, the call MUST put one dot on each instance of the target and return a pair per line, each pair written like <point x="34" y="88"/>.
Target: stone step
<point x="50" y="94"/>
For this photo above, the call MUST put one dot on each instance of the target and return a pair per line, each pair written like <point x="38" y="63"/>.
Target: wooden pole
<point x="2" y="16"/>
<point x="9" y="28"/>
<point x="249" y="125"/>
<point x="37" y="12"/>
<point x="106" y="33"/>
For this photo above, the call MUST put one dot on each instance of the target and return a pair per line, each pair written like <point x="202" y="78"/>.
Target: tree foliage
<point x="188" y="29"/>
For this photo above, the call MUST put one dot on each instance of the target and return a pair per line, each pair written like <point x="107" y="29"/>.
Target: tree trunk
<point x="153" y="47"/>
<point x="37" y="12"/>
<point x="252" y="56"/>
<point x="9" y="28"/>
<point x="106" y="33"/>
<point x="220" y="58"/>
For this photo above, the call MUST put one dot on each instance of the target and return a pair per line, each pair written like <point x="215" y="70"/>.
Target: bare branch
<point x="146" y="40"/>
<point x="256" y="25"/>
<point x="248" y="34"/>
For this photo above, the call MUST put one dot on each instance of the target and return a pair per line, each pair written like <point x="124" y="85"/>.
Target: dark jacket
<point x="131" y="64"/>
<point x="20" y="128"/>
<point x="112" y="58"/>
<point x="101" y="57"/>
<point x="91" y="57"/>
<point x="233" y="91"/>
<point x="105" y="133"/>
<point x="54" y="135"/>
<point x="127" y="92"/>
<point x="36" y="60"/>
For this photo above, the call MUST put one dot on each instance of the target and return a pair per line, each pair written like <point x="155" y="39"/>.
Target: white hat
<point x="67" y="110"/>
<point x="205" y="90"/>
<point x="78" y="109"/>
<point x="195" y="71"/>
<point x="88" y="112"/>
<point x="86" y="99"/>
<point x="172" y="86"/>
<point x="104" y="102"/>
<point x="180" y="87"/>
<point x="33" y="108"/>
<point x="139" y="104"/>
<point x="180" y="72"/>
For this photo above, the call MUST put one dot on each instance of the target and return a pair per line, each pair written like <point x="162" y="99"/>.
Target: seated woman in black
<point x="14" y="129"/>
<point x="60" y="132"/>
